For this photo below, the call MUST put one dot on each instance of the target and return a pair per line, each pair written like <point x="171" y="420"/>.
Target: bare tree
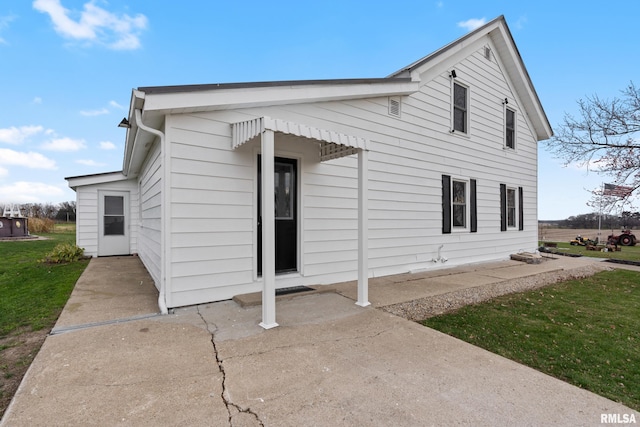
<point x="605" y="136"/>
<point x="66" y="211"/>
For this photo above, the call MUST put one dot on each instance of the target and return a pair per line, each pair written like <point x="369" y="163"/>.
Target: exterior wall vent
<point x="487" y="53"/>
<point x="394" y="106"/>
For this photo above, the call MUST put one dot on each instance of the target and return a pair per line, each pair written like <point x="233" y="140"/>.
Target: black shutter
<point x="503" y="207"/>
<point x="446" y="204"/>
<point x="520" y="209"/>
<point x="474" y="207"/>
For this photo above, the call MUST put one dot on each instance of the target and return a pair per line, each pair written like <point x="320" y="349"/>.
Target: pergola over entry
<point x="333" y="145"/>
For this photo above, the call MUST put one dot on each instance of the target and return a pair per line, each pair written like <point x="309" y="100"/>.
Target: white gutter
<point x="162" y="303"/>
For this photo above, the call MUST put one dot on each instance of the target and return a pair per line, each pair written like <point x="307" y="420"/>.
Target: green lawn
<point x="630" y="253"/>
<point x="32" y="294"/>
<point x="586" y="332"/>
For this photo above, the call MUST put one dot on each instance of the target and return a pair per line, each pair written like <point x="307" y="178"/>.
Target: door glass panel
<point x="113" y="205"/>
<point x="283" y="190"/>
<point x="113" y="216"/>
<point x="114" y="225"/>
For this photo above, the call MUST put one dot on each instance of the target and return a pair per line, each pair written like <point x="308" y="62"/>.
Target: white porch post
<point x="363" y="228"/>
<point x="268" y="233"/>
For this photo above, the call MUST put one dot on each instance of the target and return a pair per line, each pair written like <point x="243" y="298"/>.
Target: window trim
<point x="471" y="210"/>
<point x="518" y="208"/>
<point x="467" y="110"/>
<point x="507" y="110"/>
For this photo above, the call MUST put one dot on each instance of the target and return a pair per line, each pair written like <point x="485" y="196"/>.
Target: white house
<point x="432" y="166"/>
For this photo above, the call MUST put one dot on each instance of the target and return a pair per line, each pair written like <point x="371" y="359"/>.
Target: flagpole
<point x="600" y="213"/>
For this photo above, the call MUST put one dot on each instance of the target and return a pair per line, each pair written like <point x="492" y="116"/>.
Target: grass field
<point x="32" y="295"/>
<point x="562" y="236"/>
<point x="630" y="253"/>
<point x="586" y="332"/>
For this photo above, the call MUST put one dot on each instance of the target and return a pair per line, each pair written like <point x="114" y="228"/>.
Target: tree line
<point x="65" y="211"/>
<point x="591" y="220"/>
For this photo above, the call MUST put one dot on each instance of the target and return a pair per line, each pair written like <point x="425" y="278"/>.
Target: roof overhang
<point x="198" y="98"/>
<point x="332" y="144"/>
<point x="99" y="178"/>
<point x="156" y="102"/>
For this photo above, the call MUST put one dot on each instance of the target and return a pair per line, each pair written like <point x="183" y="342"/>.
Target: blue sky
<point x="67" y="67"/>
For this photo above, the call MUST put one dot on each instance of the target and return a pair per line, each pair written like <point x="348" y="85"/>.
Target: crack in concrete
<point x="224" y="395"/>
<point x="312" y="343"/>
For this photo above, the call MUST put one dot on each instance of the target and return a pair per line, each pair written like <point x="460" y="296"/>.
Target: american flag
<point x="617" y="190"/>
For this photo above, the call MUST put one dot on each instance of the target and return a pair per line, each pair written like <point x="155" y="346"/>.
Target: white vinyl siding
<point x="87" y="219"/>
<point x="150" y="184"/>
<point x="211" y="207"/>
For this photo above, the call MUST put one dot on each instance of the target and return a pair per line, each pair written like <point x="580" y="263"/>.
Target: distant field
<point x="563" y="236"/>
<point x="568" y="234"/>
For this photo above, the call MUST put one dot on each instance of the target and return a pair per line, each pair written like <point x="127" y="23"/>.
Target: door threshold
<point x="255" y="298"/>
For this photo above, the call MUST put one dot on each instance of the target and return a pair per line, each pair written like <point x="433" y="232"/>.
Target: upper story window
<point x="510" y="128"/>
<point x="460" y="108"/>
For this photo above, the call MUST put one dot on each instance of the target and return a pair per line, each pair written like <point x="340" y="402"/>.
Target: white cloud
<point x="89" y="162"/>
<point x="116" y="105"/>
<point x="95" y="24"/>
<point x="30" y="160"/>
<point x="472" y="24"/>
<point x="29" y="192"/>
<point x="107" y="145"/>
<point x="519" y="24"/>
<point x="14" y="135"/>
<point x="91" y="113"/>
<point x="37" y="100"/>
<point x="3" y="172"/>
<point x="4" y="24"/>
<point x="64" y="144"/>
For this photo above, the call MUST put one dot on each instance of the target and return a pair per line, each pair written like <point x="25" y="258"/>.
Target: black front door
<point x="286" y="214"/>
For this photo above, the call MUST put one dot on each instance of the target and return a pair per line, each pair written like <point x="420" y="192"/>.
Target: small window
<point x="511" y="207"/>
<point x="460" y="109"/>
<point x="510" y="128"/>
<point x="459" y="204"/>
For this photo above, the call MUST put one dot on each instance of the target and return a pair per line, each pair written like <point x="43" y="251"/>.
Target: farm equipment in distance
<point x="626" y="238"/>
<point x="581" y="241"/>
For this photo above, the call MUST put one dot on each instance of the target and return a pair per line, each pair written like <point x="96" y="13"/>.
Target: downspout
<point x="162" y="302"/>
